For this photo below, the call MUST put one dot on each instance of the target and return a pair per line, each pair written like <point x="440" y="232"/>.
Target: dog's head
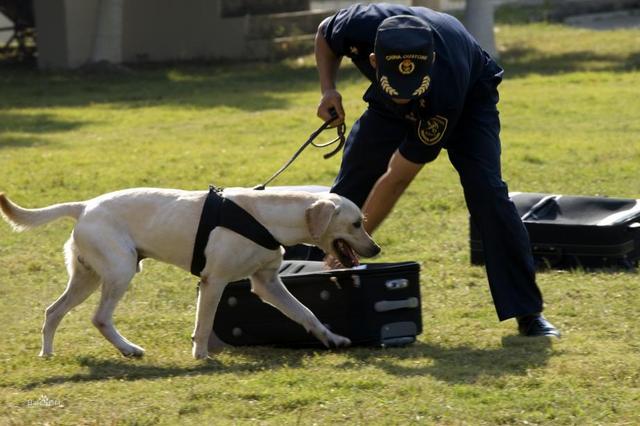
<point x="336" y="226"/>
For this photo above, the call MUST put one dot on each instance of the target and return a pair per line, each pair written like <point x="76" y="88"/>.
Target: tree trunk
<point x="478" y="18"/>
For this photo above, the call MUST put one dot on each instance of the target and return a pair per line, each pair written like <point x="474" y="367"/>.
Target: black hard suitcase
<point x="373" y="305"/>
<point x="576" y="231"/>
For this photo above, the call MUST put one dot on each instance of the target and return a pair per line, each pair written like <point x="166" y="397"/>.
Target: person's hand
<point x="332" y="262"/>
<point x="331" y="99"/>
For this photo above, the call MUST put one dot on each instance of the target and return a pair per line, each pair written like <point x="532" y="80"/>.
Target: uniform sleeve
<point x="418" y="153"/>
<point x="352" y="31"/>
<point x="428" y="137"/>
<point x="335" y="32"/>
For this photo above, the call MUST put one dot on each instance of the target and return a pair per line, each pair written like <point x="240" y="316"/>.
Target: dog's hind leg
<point x="267" y="285"/>
<point x="82" y="282"/>
<point x="116" y="269"/>
<point x="208" y="299"/>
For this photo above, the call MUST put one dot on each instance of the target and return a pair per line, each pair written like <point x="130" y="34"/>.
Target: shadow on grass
<point x="520" y="61"/>
<point x="257" y="359"/>
<point x="245" y="86"/>
<point x="22" y="127"/>
<point x="248" y="86"/>
<point x="460" y="364"/>
<point x="20" y="141"/>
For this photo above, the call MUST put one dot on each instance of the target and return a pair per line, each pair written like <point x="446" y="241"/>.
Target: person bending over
<point x="432" y="88"/>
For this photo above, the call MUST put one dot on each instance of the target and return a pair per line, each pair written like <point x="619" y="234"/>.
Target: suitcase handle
<point x="398" y="341"/>
<point x="392" y="305"/>
<point x="541" y="208"/>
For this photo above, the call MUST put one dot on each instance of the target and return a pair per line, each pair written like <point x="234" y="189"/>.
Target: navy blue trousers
<point x="474" y="150"/>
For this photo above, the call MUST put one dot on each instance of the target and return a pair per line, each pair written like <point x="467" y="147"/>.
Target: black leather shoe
<point x="536" y="325"/>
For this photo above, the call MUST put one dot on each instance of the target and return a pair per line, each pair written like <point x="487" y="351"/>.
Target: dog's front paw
<point x="332" y="340"/>
<point x="339" y="341"/>
<point x="200" y="351"/>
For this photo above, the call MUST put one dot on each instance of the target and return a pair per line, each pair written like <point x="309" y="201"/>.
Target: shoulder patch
<point x="432" y="130"/>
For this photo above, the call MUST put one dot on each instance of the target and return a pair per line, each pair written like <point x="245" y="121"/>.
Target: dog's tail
<point x="20" y="218"/>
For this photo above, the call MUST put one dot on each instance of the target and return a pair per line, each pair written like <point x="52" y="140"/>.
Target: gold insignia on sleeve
<point x="432" y="131"/>
<point x="384" y="82"/>
<point x="423" y="86"/>
<point x="407" y="66"/>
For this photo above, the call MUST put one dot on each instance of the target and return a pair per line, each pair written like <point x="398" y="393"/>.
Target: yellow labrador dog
<point x="116" y="230"/>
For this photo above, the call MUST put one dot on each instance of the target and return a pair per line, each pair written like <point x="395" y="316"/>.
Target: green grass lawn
<point x="569" y="106"/>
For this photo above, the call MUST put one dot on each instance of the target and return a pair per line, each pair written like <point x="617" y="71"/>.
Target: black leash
<point x="340" y="139"/>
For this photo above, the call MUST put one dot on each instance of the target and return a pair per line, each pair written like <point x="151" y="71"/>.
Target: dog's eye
<point x="357" y="224"/>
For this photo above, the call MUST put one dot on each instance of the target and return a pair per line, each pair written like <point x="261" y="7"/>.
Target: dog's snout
<point x="371" y="250"/>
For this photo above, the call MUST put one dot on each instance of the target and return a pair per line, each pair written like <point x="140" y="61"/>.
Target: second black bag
<point x="576" y="231"/>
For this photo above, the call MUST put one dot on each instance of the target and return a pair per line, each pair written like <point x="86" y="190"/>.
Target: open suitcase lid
<point x="308" y="267"/>
<point x="576" y="210"/>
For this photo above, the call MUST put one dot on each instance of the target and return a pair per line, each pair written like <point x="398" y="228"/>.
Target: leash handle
<point x="342" y="129"/>
<point x="333" y="113"/>
<point x="341" y="132"/>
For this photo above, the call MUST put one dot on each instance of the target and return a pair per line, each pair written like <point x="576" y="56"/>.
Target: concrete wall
<point x="81" y="16"/>
<point x="231" y="8"/>
<point x="65" y="32"/>
<point x="51" y="25"/>
<point x="161" y="30"/>
<point x="153" y="30"/>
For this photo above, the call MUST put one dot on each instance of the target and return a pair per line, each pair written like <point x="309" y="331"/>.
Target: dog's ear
<point x="318" y="217"/>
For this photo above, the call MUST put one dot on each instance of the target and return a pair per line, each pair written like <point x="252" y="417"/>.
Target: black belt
<point x="220" y="211"/>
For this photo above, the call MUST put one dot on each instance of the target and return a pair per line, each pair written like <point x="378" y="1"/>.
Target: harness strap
<point x="220" y="211"/>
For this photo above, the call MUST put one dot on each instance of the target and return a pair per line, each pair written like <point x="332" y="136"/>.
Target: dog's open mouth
<point x="345" y="253"/>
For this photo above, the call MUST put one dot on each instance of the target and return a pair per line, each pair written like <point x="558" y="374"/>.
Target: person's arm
<point x="327" y="63"/>
<point x="388" y="189"/>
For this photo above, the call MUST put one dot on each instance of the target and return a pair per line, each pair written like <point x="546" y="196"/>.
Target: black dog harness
<point x="220" y="211"/>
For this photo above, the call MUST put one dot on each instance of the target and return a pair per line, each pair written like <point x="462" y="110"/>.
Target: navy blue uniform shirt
<point x="459" y="63"/>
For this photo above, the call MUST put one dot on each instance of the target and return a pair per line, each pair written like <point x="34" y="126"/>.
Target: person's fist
<point x="331" y="99"/>
<point x="332" y="262"/>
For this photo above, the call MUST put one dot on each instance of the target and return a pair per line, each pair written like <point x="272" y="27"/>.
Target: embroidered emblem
<point x="423" y="86"/>
<point x="423" y="103"/>
<point x="384" y="82"/>
<point x="353" y="50"/>
<point x="407" y="66"/>
<point x="431" y="132"/>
